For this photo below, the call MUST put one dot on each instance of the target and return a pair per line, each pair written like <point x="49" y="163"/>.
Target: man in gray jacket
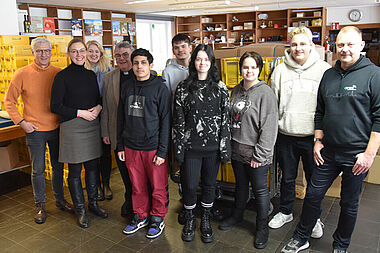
<point x="295" y="83"/>
<point x="178" y="68"/>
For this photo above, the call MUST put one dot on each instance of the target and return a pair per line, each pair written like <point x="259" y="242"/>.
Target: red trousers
<point x="141" y="169"/>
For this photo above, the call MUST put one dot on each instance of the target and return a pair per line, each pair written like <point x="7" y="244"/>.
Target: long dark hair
<point x="212" y="75"/>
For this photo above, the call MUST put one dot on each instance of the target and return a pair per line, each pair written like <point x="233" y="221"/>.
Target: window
<point x="155" y="36"/>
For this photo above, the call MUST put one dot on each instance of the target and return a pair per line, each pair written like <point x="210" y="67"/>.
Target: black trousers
<point x="126" y="181"/>
<point x="105" y="165"/>
<point x="191" y="170"/>
<point x="258" y="177"/>
<point x="290" y="149"/>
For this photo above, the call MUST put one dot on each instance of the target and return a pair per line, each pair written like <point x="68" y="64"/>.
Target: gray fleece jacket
<point x="254" y="120"/>
<point x="173" y="74"/>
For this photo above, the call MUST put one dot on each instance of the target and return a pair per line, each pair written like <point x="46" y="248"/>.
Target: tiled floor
<point x="19" y="233"/>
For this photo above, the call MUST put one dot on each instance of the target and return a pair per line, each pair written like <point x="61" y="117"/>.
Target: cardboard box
<point x="8" y="157"/>
<point x="374" y="172"/>
<point x="248" y="25"/>
<point x="301" y="184"/>
<point x="226" y="53"/>
<point x="317" y="13"/>
<point x="237" y="27"/>
<point x="300" y="14"/>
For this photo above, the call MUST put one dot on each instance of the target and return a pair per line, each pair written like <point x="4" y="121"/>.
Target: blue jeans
<point x="37" y="147"/>
<point x="321" y="180"/>
<point x="290" y="149"/>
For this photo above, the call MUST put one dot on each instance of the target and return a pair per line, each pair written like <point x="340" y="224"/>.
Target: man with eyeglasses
<point x="111" y="93"/>
<point x="34" y="83"/>
<point x="295" y="83"/>
<point x="346" y="138"/>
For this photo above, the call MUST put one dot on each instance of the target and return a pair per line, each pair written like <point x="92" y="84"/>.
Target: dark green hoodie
<point x="348" y="105"/>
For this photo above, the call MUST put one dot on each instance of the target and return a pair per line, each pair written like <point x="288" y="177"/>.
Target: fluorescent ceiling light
<point x="140" y="1"/>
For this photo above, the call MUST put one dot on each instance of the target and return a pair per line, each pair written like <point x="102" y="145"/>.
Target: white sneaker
<point x="280" y="219"/>
<point x="318" y="230"/>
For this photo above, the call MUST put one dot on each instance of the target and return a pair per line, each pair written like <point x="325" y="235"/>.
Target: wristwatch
<point x="317" y="139"/>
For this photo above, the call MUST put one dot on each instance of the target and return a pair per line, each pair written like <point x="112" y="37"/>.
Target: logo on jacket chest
<point x="136" y="105"/>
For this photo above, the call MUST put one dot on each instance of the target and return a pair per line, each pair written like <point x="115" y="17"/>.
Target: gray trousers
<point x="37" y="147"/>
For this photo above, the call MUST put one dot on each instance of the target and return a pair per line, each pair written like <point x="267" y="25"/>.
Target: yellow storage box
<point x="12" y="40"/>
<point x="59" y="62"/>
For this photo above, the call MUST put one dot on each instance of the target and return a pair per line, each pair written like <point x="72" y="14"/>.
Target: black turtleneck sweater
<point x="74" y="88"/>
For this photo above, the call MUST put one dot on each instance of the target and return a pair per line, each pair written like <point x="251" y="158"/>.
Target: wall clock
<point x="355" y="15"/>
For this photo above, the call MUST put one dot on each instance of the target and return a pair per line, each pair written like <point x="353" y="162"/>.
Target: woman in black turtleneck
<point x="75" y="98"/>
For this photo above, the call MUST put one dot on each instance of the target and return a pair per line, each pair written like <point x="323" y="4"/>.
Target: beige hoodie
<point x="296" y="89"/>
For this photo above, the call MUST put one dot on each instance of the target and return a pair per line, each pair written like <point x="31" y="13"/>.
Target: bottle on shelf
<point x="26" y="24"/>
<point x="327" y="45"/>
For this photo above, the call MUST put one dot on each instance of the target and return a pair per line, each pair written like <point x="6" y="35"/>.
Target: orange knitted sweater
<point x="34" y="84"/>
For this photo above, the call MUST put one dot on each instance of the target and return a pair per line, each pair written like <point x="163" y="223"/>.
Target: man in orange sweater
<point x="34" y="83"/>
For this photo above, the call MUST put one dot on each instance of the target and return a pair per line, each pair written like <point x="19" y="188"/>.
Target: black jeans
<point x="207" y="168"/>
<point x="127" y="182"/>
<point x="321" y="180"/>
<point x="290" y="149"/>
<point x="105" y="165"/>
<point x="258" y="177"/>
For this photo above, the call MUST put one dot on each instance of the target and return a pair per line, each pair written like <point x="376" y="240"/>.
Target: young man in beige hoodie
<point x="295" y="83"/>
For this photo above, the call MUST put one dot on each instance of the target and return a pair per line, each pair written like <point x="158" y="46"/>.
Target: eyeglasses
<point x="81" y="51"/>
<point x="124" y="55"/>
<point x="341" y="45"/>
<point x="40" y="51"/>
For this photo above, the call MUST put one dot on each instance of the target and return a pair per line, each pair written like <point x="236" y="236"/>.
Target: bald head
<point x="349" y="44"/>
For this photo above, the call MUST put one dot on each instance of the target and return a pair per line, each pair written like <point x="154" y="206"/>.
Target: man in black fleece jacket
<point x="346" y="138"/>
<point x="143" y="136"/>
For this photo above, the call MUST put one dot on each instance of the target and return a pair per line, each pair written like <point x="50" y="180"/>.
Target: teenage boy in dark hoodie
<point x="143" y="137"/>
<point x="346" y="139"/>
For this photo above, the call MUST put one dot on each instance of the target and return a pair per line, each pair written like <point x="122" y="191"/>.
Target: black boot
<point x="76" y="192"/>
<point x="181" y="216"/>
<point x="91" y="187"/>
<point x="100" y="194"/>
<point x="207" y="235"/>
<point x="230" y="222"/>
<point x="262" y="233"/>
<point x="107" y="192"/>
<point x="188" y="231"/>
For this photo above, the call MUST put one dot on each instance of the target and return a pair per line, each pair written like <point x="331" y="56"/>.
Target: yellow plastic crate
<point x="230" y="71"/>
<point x="10" y="52"/>
<point x="20" y="62"/>
<point x="59" y="61"/>
<point x="12" y="40"/>
<point x="58" y="39"/>
<point x="21" y="50"/>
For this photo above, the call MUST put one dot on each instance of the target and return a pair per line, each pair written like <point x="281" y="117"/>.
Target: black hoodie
<point x="348" y="105"/>
<point x="144" y="110"/>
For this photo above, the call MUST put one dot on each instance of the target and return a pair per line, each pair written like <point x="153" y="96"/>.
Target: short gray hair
<point x="124" y="44"/>
<point x="39" y="40"/>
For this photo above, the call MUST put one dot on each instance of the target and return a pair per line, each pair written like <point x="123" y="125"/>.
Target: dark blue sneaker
<point x="135" y="225"/>
<point x="156" y="227"/>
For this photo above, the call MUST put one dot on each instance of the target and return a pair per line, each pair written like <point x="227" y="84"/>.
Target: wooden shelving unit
<point x="63" y="24"/>
<point x="246" y="27"/>
<point x="310" y="15"/>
